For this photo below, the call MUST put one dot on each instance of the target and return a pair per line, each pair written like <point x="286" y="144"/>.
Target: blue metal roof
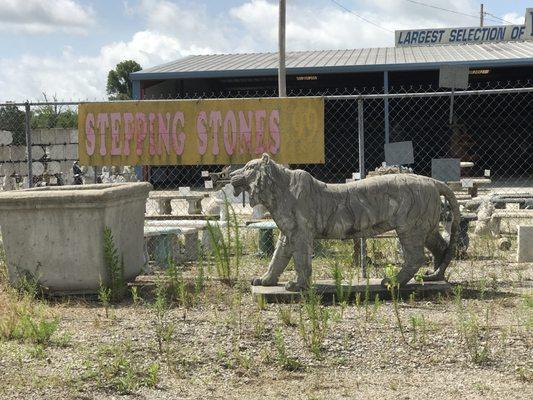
<point x="340" y="61"/>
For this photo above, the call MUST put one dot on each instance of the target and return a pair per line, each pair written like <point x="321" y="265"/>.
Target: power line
<point x="498" y="19"/>
<point x="360" y="17"/>
<point x="442" y="9"/>
<point x="501" y="19"/>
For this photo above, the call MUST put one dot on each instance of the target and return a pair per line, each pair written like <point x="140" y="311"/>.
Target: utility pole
<point x="481" y="15"/>
<point x="282" y="82"/>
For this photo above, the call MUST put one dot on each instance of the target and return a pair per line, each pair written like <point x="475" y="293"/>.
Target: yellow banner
<point x="195" y="132"/>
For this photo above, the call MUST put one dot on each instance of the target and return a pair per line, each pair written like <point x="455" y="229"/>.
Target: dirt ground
<point x="215" y="341"/>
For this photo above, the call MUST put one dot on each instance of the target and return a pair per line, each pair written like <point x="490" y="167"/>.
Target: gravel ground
<point x="225" y="344"/>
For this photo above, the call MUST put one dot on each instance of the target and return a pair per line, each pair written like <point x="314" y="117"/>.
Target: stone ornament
<point x="305" y="209"/>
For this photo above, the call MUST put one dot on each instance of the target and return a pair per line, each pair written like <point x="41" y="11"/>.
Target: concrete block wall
<point x="53" y="151"/>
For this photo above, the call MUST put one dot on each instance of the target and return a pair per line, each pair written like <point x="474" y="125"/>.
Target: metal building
<point x="351" y="71"/>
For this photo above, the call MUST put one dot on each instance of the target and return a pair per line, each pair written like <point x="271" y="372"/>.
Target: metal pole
<point x="361" y="135"/>
<point x="28" y="143"/>
<point x="451" y="105"/>
<point x="386" y="91"/>
<point x="282" y="83"/>
<point x="481" y="14"/>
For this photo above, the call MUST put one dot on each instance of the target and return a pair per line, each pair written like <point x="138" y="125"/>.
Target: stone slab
<point x="327" y="289"/>
<point x="56" y="152"/>
<point x="446" y="169"/>
<point x="399" y="153"/>
<point x="71" y="151"/>
<point x="525" y="243"/>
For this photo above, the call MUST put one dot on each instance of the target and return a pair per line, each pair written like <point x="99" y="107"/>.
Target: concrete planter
<point x="56" y="233"/>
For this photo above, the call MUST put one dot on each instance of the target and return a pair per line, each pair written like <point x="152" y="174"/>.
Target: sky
<point x="65" y="48"/>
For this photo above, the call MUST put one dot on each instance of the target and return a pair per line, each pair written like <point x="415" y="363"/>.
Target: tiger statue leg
<point x="280" y="259"/>
<point x="413" y="252"/>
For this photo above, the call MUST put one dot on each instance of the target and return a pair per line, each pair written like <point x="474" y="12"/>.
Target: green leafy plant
<point x="284" y="360"/>
<point x="163" y="329"/>
<point x="115" y="369"/>
<point x="104" y="296"/>
<point x="114" y="266"/>
<point x="286" y="316"/>
<point x="227" y="248"/>
<point x="391" y="272"/>
<point x="26" y="320"/>
<point x="419" y="329"/>
<point x="314" y="321"/>
<point x="476" y="335"/>
<point x="135" y="295"/>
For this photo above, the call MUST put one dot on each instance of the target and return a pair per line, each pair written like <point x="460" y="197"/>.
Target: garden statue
<point x="305" y="208"/>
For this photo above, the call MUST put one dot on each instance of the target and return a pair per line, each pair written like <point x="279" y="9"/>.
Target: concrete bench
<point x="498" y="215"/>
<point x="191" y="229"/>
<point x="164" y="201"/>
<point x="162" y="239"/>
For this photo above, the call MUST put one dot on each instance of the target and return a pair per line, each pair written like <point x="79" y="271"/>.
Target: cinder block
<point x="36" y="136"/>
<point x="61" y="136"/>
<point x="73" y="136"/>
<point x="71" y="152"/>
<point x="7" y="169"/>
<point x="37" y="152"/>
<point x="6" y="138"/>
<point x="525" y="243"/>
<point x="53" y="167"/>
<point x="56" y="152"/>
<point x="5" y="153"/>
<point x="47" y="137"/>
<point x="18" y="153"/>
<point x="65" y="166"/>
<point x="37" y="168"/>
<point x="21" y="168"/>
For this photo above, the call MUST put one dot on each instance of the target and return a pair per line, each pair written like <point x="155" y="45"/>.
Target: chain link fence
<point x="490" y="132"/>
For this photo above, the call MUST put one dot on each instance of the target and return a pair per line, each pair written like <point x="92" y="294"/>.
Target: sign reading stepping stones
<point x="192" y="132"/>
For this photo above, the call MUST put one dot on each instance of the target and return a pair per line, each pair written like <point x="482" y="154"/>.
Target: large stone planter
<point x="56" y="234"/>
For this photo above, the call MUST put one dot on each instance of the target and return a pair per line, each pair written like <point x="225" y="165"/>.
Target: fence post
<point x="386" y="104"/>
<point x="28" y="143"/>
<point x="361" y="138"/>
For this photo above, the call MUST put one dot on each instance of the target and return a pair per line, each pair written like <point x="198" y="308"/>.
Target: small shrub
<point x="286" y="362"/>
<point x="314" y="321"/>
<point x="285" y="315"/>
<point x="224" y="248"/>
<point x="393" y="285"/>
<point x="114" y="265"/>
<point x="24" y="320"/>
<point x="115" y="370"/>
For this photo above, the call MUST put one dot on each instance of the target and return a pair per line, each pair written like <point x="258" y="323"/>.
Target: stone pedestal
<point x="56" y="234"/>
<point x="327" y="289"/>
<point x="525" y="243"/>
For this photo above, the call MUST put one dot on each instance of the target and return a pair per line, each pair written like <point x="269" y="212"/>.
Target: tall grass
<point x="314" y="321"/>
<point x="227" y="246"/>
<point x="114" y="265"/>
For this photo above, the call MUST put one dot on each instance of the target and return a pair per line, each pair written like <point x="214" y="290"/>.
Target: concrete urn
<point x="56" y="234"/>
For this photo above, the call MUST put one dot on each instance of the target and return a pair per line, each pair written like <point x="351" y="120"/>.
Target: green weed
<point x="284" y="360"/>
<point x="114" y="265"/>
<point x="314" y="321"/>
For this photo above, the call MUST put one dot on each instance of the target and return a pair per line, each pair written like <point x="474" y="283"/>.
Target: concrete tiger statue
<point x="305" y="209"/>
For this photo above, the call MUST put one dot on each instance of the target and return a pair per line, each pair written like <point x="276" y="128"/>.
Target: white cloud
<point x="515" y="18"/>
<point x="38" y="17"/>
<point x="170" y="30"/>
<point x="72" y="76"/>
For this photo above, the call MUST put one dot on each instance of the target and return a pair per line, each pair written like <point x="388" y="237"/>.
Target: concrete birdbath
<point x="56" y="234"/>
